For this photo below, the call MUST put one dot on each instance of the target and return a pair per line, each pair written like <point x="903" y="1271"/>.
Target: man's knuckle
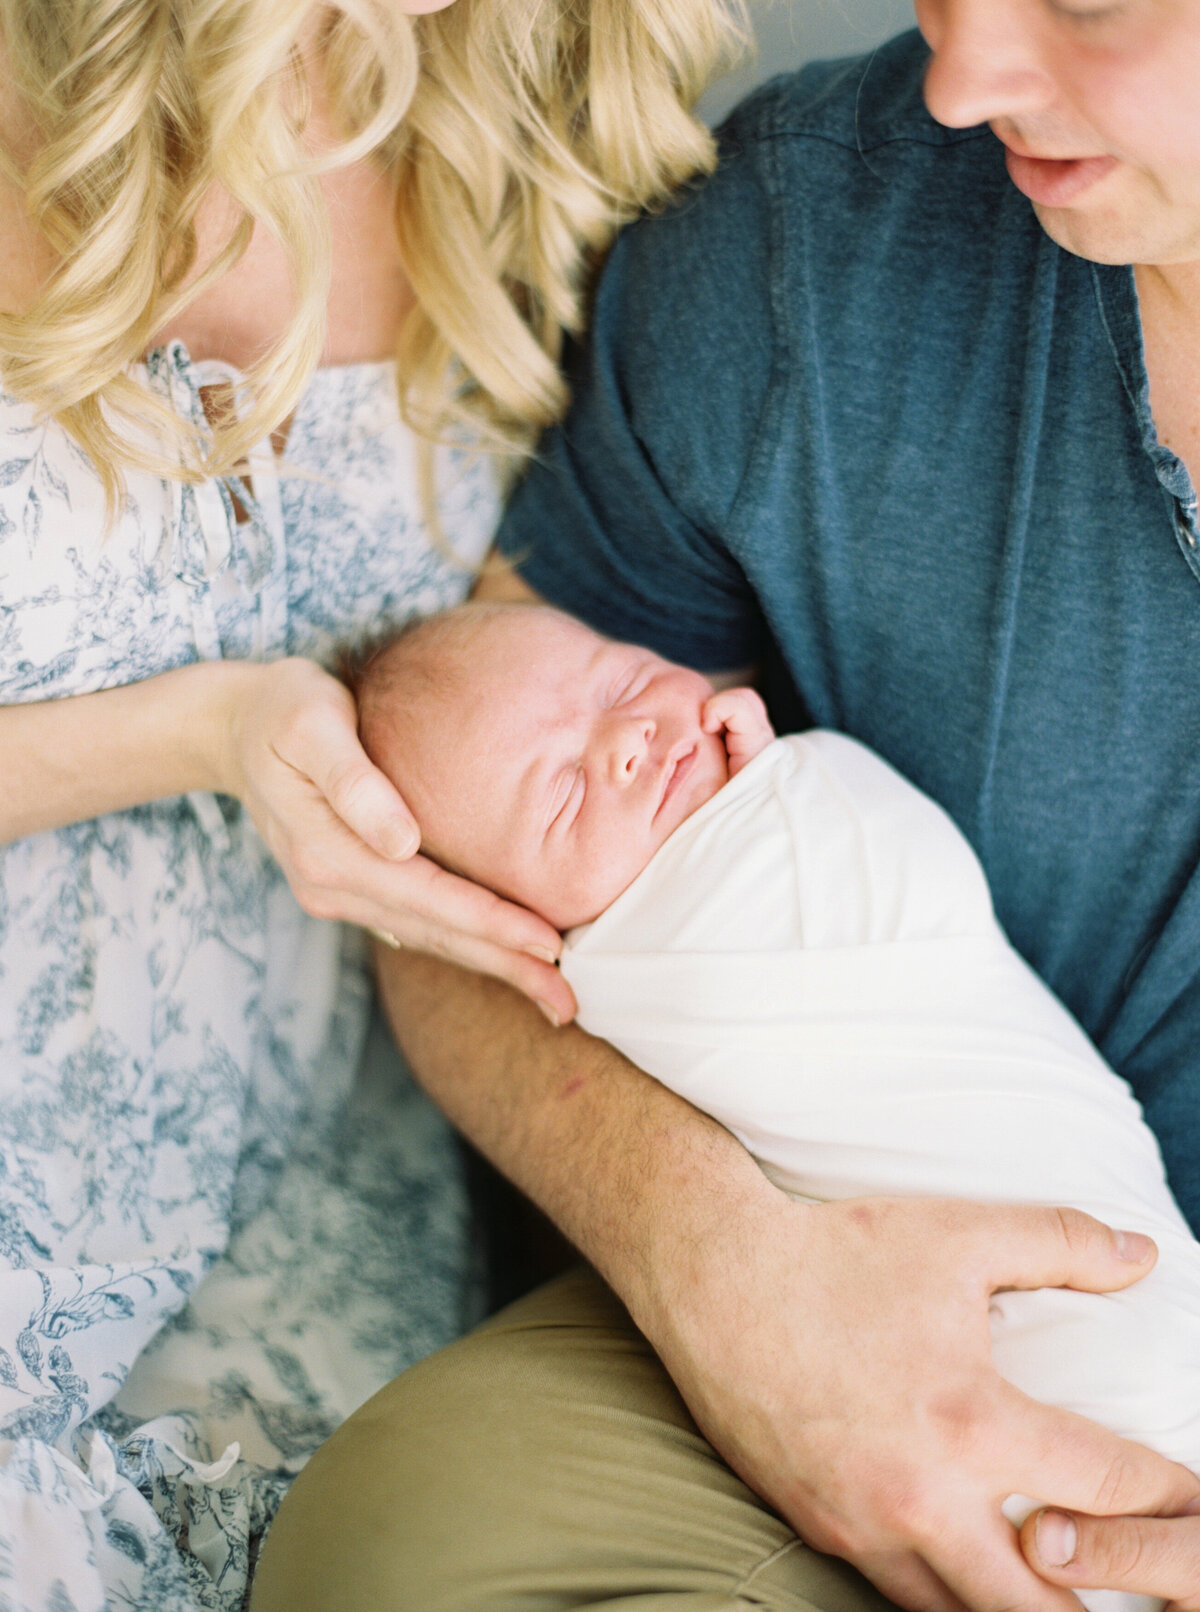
<point x="1076" y="1229"/>
<point x="1113" y="1491"/>
<point x="1119" y="1552"/>
<point x="913" y="1514"/>
<point x="833" y="1531"/>
<point x="905" y="1503"/>
<point x="835" y="1536"/>
<point x="962" y="1418"/>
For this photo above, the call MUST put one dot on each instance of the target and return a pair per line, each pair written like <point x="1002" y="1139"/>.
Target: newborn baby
<point x="798" y="941"/>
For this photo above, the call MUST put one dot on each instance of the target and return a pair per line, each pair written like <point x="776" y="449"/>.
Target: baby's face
<point x="567" y="762"/>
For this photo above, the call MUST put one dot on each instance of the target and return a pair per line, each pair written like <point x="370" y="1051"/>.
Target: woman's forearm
<point x="71" y="759"/>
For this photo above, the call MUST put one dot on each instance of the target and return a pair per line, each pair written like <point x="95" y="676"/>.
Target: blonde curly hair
<point x="520" y="133"/>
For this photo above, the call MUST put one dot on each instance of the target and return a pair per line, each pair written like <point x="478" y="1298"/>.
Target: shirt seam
<point x="765" y="426"/>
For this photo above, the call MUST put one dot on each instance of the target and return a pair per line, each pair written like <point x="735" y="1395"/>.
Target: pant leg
<point x="544" y="1462"/>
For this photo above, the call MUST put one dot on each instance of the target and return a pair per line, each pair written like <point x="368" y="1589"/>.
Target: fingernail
<point x="542" y="953"/>
<point x="1057" y="1537"/>
<point x="399" y="841"/>
<point x="1133" y="1247"/>
<point x="547" y="1012"/>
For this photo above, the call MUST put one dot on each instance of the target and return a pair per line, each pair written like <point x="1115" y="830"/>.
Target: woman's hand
<point x="1147" y="1555"/>
<point x="284" y="742"/>
<point x="843" y="1369"/>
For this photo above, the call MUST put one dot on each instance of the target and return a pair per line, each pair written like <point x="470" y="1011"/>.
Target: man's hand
<point x="843" y="1369"/>
<point x="1148" y="1555"/>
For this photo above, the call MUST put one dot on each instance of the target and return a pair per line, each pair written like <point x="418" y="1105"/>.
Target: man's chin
<point x="1109" y="238"/>
<point x="1097" y="241"/>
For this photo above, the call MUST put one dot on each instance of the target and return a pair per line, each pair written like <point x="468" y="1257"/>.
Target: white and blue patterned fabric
<point x="215" y="1241"/>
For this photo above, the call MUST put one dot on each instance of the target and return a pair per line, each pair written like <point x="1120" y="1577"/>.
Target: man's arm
<point x="836" y="1355"/>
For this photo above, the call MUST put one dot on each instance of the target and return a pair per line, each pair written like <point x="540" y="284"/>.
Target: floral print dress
<point x="215" y="1240"/>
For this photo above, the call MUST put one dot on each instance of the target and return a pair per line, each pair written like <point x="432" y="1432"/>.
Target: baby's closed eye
<point x="567" y="795"/>
<point x="628" y="687"/>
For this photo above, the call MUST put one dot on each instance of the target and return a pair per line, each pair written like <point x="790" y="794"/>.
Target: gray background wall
<point x="793" y="31"/>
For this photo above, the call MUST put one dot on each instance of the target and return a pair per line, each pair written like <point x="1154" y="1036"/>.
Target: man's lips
<point x="1055" y="181"/>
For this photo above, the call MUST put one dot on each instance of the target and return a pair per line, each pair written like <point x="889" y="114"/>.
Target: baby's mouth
<point x="674" y="773"/>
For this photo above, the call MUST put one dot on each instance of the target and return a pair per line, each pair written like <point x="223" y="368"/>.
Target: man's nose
<point x="990" y="60"/>
<point x="630" y="739"/>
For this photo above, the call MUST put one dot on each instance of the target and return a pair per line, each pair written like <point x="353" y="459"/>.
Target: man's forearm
<point x="632" y="1174"/>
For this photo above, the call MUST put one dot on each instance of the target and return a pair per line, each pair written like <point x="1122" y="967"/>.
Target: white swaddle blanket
<point x="812" y="958"/>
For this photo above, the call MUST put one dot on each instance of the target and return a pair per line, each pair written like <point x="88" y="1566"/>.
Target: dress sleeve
<point x="625" y="515"/>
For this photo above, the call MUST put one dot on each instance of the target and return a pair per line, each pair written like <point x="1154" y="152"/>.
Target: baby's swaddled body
<point x="813" y="959"/>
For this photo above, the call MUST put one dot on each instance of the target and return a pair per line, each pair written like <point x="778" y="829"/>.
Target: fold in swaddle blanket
<point x="813" y="959"/>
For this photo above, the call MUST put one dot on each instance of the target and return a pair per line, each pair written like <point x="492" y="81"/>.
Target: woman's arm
<point x="837" y="1355"/>
<point x="282" y="738"/>
<point x="67" y="760"/>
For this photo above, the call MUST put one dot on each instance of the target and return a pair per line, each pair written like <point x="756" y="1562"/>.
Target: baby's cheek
<point x="602" y="870"/>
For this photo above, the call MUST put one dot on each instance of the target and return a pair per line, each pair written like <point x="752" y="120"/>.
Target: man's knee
<point x="546" y="1462"/>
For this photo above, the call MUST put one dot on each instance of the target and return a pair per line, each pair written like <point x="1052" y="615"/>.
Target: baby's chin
<point x="572" y="909"/>
<point x="573" y="915"/>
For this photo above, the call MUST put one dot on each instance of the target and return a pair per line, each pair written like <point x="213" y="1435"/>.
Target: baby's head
<point x="539" y="759"/>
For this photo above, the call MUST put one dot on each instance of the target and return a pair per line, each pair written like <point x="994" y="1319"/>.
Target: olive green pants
<point x="543" y="1462"/>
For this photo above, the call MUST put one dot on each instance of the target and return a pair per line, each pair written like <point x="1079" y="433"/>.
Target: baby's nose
<point x="632" y="738"/>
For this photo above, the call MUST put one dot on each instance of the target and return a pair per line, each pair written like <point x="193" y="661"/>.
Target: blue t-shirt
<point x="848" y="413"/>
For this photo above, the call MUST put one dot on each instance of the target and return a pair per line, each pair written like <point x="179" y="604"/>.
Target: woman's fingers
<point x="424" y="908"/>
<point x="541" y="982"/>
<point x="1147" y="1555"/>
<point x="454" y="919"/>
<point x="429" y="907"/>
<point x="321" y="746"/>
<point x="372" y="808"/>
